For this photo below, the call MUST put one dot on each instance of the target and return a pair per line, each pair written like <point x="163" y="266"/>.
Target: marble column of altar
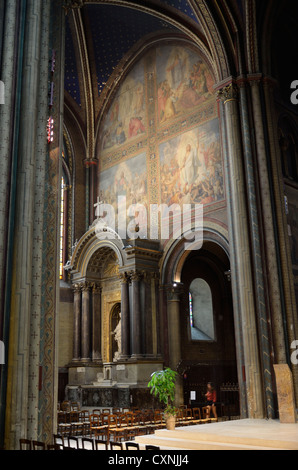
<point x="125" y="320"/>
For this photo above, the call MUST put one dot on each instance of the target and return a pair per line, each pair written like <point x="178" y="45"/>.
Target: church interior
<point x="149" y="215"/>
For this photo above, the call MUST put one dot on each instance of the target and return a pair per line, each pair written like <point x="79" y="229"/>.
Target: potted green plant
<point x="162" y="386"/>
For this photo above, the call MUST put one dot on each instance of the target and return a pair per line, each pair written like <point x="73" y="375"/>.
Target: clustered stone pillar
<point x="139" y="316"/>
<point x="241" y="268"/>
<point x="76" y="323"/>
<point x="87" y="323"/>
<point x="96" y="323"/>
<point x="136" y="316"/>
<point x="85" y="327"/>
<point x="24" y="72"/>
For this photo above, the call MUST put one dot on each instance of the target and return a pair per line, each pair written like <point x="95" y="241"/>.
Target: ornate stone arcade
<point x="106" y="273"/>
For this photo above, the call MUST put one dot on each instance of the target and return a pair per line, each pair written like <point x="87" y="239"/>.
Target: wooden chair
<point x="120" y="430"/>
<point x="65" y="406"/>
<point x="150" y="447"/>
<point x="97" y="428"/>
<point x="132" y="446"/>
<point x="184" y="416"/>
<point x="25" y="444"/>
<point x="106" y="411"/>
<point x="197" y="418"/>
<point x="145" y="422"/>
<point x="116" y="445"/>
<point x="112" y="424"/>
<point x="132" y="429"/>
<point x="206" y="414"/>
<point x="158" y="420"/>
<point x="73" y="442"/>
<point x="54" y="447"/>
<point x="74" y="406"/>
<point x="99" y="444"/>
<point x="76" y="425"/>
<point x="85" y="422"/>
<point x="64" y="426"/>
<point x="58" y="440"/>
<point x="38" y="445"/>
<point x="88" y="443"/>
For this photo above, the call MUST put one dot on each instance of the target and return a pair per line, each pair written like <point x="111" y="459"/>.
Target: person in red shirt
<point x="211" y="400"/>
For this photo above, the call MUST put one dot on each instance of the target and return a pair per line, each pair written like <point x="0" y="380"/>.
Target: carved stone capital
<point x="228" y="93"/>
<point x="124" y="278"/>
<point x="136" y="275"/>
<point x="77" y="287"/>
<point x="96" y="288"/>
<point x="86" y="287"/>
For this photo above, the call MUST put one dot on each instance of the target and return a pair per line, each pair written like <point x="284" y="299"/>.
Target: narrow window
<point x="201" y="311"/>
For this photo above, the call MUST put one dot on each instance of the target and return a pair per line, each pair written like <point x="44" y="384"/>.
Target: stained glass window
<point x="190" y="310"/>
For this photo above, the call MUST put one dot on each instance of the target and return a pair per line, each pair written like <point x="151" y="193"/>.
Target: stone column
<point x="173" y="309"/>
<point x="268" y="224"/>
<point x="35" y="368"/>
<point x="261" y="296"/>
<point x="96" y="323"/>
<point x="241" y="268"/>
<point x="125" y="317"/>
<point x="77" y="322"/>
<point x="136" y="317"/>
<point x="21" y="334"/>
<point x="8" y="73"/>
<point x="85" y="325"/>
<point x="281" y="219"/>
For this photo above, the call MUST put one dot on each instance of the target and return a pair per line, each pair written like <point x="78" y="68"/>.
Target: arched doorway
<point x="208" y="349"/>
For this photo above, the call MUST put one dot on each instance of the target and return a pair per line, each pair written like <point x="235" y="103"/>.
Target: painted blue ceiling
<point x="114" y="30"/>
<point x="182" y="5"/>
<point x="71" y="80"/>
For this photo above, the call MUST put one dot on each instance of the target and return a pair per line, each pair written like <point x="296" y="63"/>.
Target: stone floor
<point x="229" y="435"/>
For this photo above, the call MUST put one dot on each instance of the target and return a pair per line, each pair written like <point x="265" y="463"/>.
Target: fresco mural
<point x="191" y="167"/>
<point x="127" y="179"/>
<point x="160" y="141"/>
<point x="183" y="81"/>
<point x="126" y="118"/>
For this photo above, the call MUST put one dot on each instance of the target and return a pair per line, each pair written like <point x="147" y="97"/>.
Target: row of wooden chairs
<point x="28" y="444"/>
<point x="126" y="425"/>
<point x="102" y="423"/>
<point x="88" y="443"/>
<point x="192" y="416"/>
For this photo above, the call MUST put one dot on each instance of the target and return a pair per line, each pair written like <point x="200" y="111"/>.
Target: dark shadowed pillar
<point x="96" y="323"/>
<point x="136" y="316"/>
<point x="125" y="323"/>
<point x="76" y="322"/>
<point x="85" y="338"/>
